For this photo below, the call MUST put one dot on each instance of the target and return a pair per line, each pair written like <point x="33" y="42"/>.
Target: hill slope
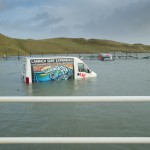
<point x="11" y="46"/>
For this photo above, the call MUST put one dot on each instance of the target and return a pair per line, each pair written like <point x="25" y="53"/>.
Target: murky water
<point x="119" y="77"/>
<point x="115" y="78"/>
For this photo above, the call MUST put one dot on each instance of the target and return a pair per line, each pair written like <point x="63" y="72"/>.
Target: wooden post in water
<point x="5" y="56"/>
<point x="18" y="55"/>
<point x="137" y="56"/>
<point x="126" y="55"/>
<point x="79" y="55"/>
<point x="91" y="56"/>
<point x="114" y="57"/>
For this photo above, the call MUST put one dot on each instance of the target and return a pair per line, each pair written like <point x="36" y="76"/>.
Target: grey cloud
<point x="12" y="4"/>
<point x="117" y="20"/>
<point x="44" y="19"/>
<point x="1" y="5"/>
<point x="128" y="22"/>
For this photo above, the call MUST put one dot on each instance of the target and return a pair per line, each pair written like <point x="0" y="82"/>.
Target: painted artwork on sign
<point x="47" y="70"/>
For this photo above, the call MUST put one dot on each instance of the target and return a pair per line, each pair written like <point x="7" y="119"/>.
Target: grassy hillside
<point x="11" y="46"/>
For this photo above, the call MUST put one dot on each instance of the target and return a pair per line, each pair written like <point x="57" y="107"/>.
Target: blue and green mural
<point x="52" y="69"/>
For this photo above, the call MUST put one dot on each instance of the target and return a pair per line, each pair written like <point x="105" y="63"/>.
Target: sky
<point x="119" y="20"/>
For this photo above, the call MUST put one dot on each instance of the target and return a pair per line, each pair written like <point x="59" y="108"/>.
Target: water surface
<point x="115" y="78"/>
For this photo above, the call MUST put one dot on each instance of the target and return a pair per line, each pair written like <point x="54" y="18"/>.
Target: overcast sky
<point x="119" y="20"/>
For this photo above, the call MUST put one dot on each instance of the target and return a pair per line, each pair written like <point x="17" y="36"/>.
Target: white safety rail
<point x="76" y="140"/>
<point x="71" y="99"/>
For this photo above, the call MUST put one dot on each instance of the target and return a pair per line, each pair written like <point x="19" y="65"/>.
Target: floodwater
<point x="115" y="78"/>
<point x="122" y="77"/>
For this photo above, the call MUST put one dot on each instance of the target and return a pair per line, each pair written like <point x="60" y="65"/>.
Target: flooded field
<point x="122" y="77"/>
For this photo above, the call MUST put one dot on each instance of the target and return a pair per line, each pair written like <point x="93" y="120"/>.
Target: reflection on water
<point x="62" y="88"/>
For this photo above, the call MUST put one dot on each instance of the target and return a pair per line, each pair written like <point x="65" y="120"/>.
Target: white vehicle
<point x="54" y="68"/>
<point x="104" y="56"/>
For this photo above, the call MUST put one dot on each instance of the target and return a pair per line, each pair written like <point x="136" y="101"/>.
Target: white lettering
<point x="40" y="61"/>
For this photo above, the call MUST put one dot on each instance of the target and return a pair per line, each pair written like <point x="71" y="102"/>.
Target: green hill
<point x="11" y="46"/>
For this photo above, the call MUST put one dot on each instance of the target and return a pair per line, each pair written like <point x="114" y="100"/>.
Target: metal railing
<point x="71" y="99"/>
<point x="76" y="140"/>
